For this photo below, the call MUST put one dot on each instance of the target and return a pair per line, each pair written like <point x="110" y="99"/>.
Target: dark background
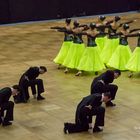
<point x="12" y="11"/>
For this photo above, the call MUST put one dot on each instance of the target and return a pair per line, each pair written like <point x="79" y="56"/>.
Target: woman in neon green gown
<point x="100" y="40"/>
<point x="122" y="53"/>
<point x="112" y="40"/>
<point x="76" y="49"/>
<point x="68" y="40"/>
<point x="133" y="64"/>
<point x="90" y="60"/>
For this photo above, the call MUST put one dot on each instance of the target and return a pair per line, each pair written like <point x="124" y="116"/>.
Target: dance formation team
<point x="107" y="46"/>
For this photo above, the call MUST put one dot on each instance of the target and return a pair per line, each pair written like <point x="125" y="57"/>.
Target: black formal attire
<point x="103" y="84"/>
<point x="29" y="79"/>
<point x="5" y="104"/>
<point x="84" y="115"/>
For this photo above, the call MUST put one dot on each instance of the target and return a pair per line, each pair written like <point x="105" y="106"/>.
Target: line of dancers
<point x="102" y="90"/>
<point x="107" y="46"/>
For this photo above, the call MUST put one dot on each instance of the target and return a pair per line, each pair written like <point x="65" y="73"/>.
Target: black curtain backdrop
<point x="28" y="10"/>
<point x="12" y="11"/>
<point x="4" y="11"/>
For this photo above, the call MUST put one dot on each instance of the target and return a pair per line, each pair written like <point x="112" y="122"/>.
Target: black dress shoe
<point x="66" y="128"/>
<point x="40" y="98"/>
<point x="110" y="104"/>
<point x="6" y="123"/>
<point x="96" y="73"/>
<point x="97" y="129"/>
<point x="16" y="101"/>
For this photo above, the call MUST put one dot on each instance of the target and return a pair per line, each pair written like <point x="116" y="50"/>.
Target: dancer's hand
<point x="89" y="107"/>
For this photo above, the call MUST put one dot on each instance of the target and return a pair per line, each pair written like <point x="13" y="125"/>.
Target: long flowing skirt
<point x="109" y="48"/>
<point x="74" y="55"/>
<point x="120" y="57"/>
<point x="134" y="62"/>
<point x="59" y="59"/>
<point x="90" y="60"/>
<point x="100" y="41"/>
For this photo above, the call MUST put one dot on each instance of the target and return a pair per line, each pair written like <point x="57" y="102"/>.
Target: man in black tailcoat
<point x="29" y="79"/>
<point x="6" y="105"/>
<point x="102" y="84"/>
<point x="88" y="107"/>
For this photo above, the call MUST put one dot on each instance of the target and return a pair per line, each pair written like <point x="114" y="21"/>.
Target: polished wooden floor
<point x="25" y="45"/>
